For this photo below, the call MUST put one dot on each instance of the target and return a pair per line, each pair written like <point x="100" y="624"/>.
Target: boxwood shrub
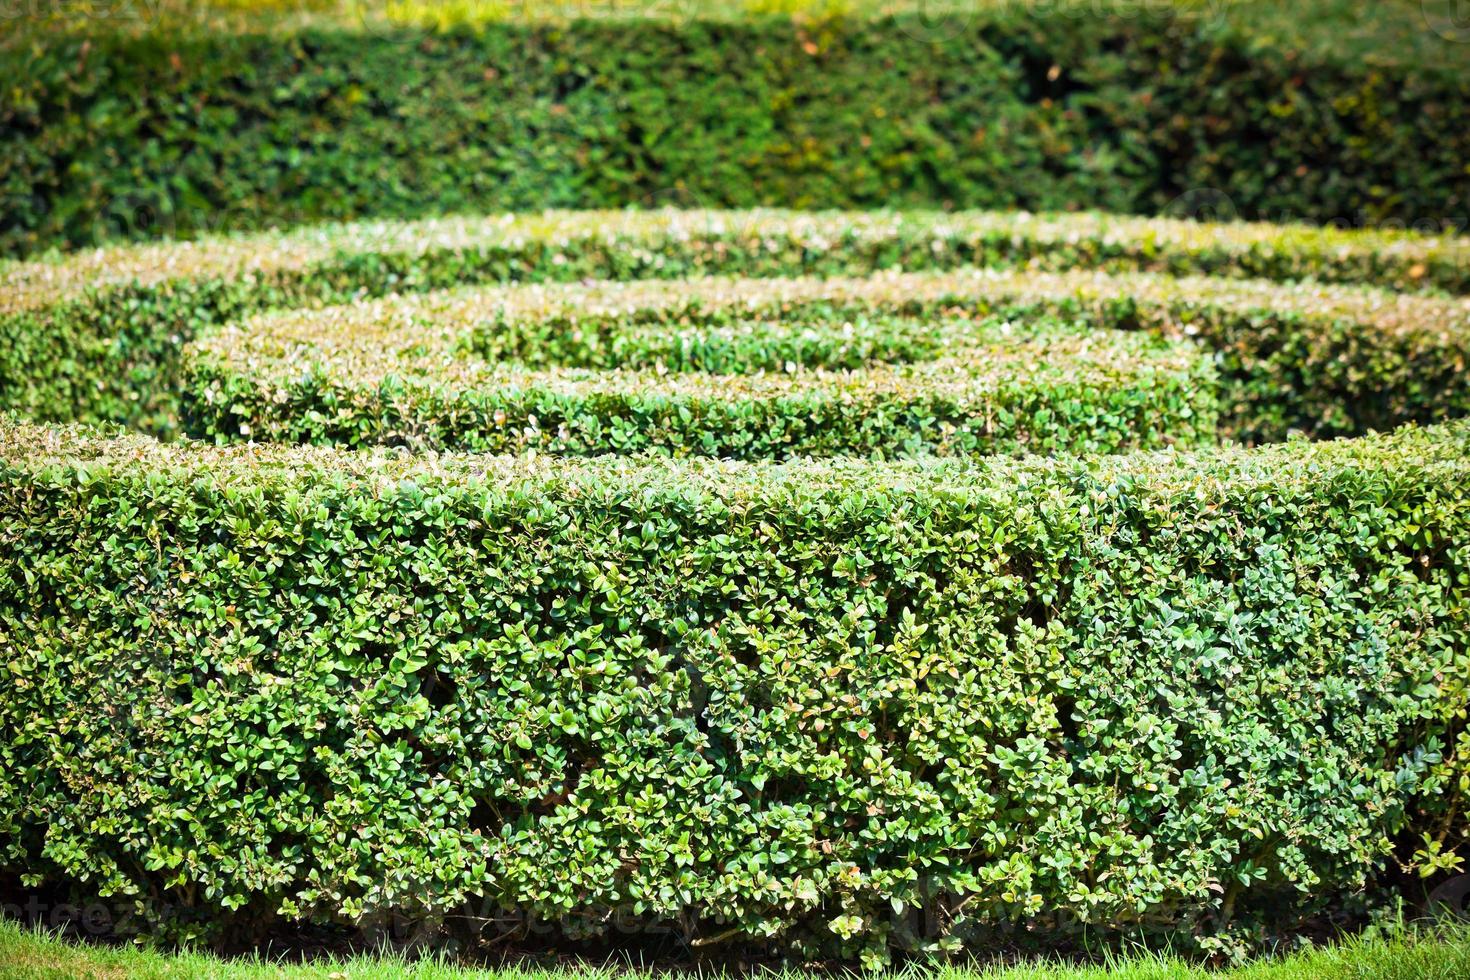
<point x="815" y="382"/>
<point x="848" y="705"/>
<point x="470" y="368"/>
<point x="840" y="707"/>
<point x="96" y="336"/>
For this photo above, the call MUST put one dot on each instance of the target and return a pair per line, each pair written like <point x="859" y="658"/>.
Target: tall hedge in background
<point x="175" y="134"/>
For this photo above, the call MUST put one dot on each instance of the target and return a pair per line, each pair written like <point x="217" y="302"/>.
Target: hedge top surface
<point x="1400" y="257"/>
<point x="469" y="368"/>
<point x="988" y="354"/>
<point x="78" y="455"/>
<point x="811" y="382"/>
<point x="409" y="332"/>
<point x="660" y="327"/>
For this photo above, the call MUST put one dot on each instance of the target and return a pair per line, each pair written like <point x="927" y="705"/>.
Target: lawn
<point x="26" y="955"/>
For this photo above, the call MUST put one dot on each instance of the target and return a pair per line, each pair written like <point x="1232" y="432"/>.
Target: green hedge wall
<point x="179" y="133"/>
<point x="821" y="381"/>
<point x="843" y="707"/>
<point x="1180" y="693"/>
<point x="96" y="336"/>
<point x="467" y="368"/>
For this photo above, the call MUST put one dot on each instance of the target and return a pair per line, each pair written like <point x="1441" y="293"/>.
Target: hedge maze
<point x="850" y="583"/>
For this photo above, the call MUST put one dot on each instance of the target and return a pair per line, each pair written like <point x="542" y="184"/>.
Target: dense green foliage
<point x="177" y="132"/>
<point x="817" y="382"/>
<point x="468" y="369"/>
<point x="844" y="705"/>
<point x="1169" y="692"/>
<point x="96" y="336"/>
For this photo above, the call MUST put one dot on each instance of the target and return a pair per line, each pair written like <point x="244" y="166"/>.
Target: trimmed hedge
<point x="845" y="706"/>
<point x="413" y="370"/>
<point x="805" y="383"/>
<point x="96" y="336"/>
<point x="179" y="133"/>
<point x="1179" y="693"/>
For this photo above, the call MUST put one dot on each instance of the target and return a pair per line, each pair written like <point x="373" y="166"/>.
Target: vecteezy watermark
<point x="1202" y="204"/>
<point x="1214" y="205"/>
<point x="94" y="919"/>
<point x="481" y="919"/>
<point x="1450" y="902"/>
<point x="931" y="916"/>
<point x="136" y="216"/>
<point x="1450" y="19"/>
<point x="944" y="20"/>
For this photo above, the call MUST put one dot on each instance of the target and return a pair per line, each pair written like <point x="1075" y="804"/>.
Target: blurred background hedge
<point x="187" y="127"/>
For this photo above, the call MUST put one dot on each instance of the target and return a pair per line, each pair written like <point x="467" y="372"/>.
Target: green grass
<point x="26" y="955"/>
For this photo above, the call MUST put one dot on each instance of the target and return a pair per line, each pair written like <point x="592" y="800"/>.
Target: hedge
<point x="849" y="705"/>
<point x="96" y="336"/>
<point x="468" y="369"/>
<point x="808" y="383"/>
<point x="840" y="707"/>
<point x="179" y="133"/>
